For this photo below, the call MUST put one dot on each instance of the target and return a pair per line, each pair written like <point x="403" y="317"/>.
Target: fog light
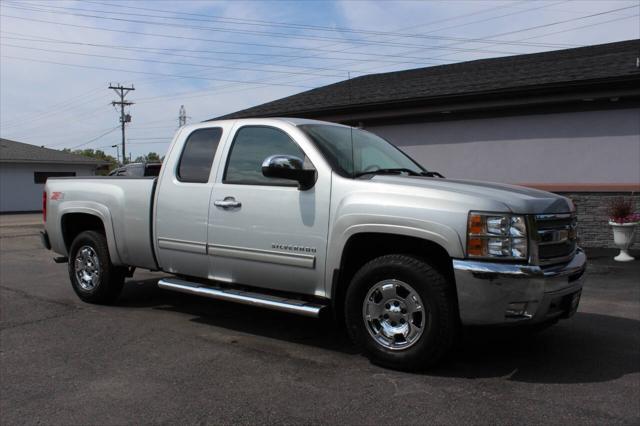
<point x="517" y="310"/>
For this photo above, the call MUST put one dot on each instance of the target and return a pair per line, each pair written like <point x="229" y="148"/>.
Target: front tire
<point x="93" y="277"/>
<point x="401" y="311"/>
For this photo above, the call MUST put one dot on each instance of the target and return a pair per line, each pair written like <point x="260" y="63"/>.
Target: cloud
<point x="50" y="104"/>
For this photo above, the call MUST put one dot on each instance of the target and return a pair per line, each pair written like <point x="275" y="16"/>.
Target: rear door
<point x="182" y="202"/>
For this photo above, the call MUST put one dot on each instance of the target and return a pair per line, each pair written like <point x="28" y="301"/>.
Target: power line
<point x="522" y="30"/>
<point x="157" y="97"/>
<point x="163" y="50"/>
<point x="168" y="62"/>
<point x="94" y="139"/>
<point x="38" y="8"/>
<point x="257" y="83"/>
<point x="543" y="26"/>
<point x="403" y="56"/>
<point x="53" y="109"/>
<point x="405" y="62"/>
<point x="585" y="26"/>
<point x="245" y="21"/>
<point x="244" y="43"/>
<point x="201" y="94"/>
<point x="148" y="138"/>
<point x="151" y="73"/>
<point x="462" y="24"/>
<point x="44" y="121"/>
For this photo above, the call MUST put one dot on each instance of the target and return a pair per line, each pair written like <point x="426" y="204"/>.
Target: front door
<point x="265" y="232"/>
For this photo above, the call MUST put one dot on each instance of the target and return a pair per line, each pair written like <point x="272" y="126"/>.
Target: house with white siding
<point x="24" y="169"/>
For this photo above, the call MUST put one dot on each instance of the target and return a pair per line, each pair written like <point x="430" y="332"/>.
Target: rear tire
<point x="93" y="277"/>
<point x="401" y="311"/>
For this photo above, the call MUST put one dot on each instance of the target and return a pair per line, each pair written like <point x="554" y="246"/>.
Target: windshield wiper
<point x="432" y="174"/>
<point x="394" y="171"/>
<point x="397" y="171"/>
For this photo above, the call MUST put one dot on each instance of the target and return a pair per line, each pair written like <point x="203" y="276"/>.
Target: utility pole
<point x="182" y="116"/>
<point x="122" y="91"/>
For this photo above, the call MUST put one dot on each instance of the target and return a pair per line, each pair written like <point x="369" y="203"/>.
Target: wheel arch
<point x="73" y="221"/>
<point x="362" y="247"/>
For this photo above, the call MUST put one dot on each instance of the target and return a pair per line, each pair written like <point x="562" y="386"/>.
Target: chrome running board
<point x="268" y="301"/>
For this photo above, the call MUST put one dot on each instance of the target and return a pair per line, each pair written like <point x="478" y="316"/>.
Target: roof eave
<point x="29" y="161"/>
<point x="611" y="84"/>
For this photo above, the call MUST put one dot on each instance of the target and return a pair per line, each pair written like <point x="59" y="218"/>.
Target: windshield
<point x="354" y="152"/>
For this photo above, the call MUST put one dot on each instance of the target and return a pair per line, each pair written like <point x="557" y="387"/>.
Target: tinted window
<point x="41" y="177"/>
<point x="152" y="169"/>
<point x="251" y="146"/>
<point x="134" y="170"/>
<point x="197" y="155"/>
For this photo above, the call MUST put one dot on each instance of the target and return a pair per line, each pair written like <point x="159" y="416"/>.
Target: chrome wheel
<point x="394" y="314"/>
<point x="87" y="268"/>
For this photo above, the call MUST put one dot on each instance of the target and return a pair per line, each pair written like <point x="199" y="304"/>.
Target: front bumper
<point x="502" y="293"/>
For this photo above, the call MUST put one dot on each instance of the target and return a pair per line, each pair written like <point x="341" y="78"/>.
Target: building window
<point x="41" y="177"/>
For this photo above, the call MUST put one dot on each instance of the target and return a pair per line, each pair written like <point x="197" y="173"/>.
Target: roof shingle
<point x="506" y="74"/>
<point x="18" y="152"/>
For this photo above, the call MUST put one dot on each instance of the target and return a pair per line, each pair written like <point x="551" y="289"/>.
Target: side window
<point x="251" y="146"/>
<point x="197" y="155"/>
<point x="133" y="170"/>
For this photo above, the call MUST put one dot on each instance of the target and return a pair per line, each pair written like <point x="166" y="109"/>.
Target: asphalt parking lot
<point x="163" y="357"/>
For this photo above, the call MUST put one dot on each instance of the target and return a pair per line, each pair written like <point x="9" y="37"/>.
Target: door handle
<point x="227" y="203"/>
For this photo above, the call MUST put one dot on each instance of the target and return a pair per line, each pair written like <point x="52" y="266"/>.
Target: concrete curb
<point x="22" y="225"/>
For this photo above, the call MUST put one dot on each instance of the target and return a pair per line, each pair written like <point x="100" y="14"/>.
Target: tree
<point x="98" y="154"/>
<point x="151" y="157"/>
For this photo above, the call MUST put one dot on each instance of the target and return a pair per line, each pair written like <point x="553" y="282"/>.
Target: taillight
<point x="44" y="206"/>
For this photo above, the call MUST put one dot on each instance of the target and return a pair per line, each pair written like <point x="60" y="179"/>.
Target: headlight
<point x="492" y="235"/>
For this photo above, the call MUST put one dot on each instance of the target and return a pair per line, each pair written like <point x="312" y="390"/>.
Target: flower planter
<point x="623" y="237"/>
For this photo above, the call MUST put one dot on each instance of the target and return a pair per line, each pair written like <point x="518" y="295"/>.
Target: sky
<point x="215" y="57"/>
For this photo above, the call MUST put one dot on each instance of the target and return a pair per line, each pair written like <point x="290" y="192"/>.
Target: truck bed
<point x="124" y="204"/>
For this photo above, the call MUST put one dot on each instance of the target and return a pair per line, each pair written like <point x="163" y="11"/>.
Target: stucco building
<point x="566" y="121"/>
<point x="24" y="169"/>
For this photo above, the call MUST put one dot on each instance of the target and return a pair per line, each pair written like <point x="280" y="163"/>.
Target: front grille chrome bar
<point x="553" y="238"/>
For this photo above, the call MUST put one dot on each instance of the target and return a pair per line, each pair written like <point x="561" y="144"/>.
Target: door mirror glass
<point x="289" y="167"/>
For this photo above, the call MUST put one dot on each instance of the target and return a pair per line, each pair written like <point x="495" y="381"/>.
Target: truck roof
<point x="291" y="120"/>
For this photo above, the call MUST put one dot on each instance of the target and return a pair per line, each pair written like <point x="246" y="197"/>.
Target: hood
<point x="517" y="199"/>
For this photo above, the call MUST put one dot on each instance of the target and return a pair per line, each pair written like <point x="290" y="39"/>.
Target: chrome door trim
<point x="266" y="256"/>
<point x="182" y="245"/>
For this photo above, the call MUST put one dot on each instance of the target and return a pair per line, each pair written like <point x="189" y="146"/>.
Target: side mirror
<point x="289" y="167"/>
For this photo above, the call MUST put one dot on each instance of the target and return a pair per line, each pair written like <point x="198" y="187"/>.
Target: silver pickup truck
<point x="310" y="217"/>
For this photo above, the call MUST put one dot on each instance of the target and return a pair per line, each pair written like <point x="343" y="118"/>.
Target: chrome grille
<point x="555" y="237"/>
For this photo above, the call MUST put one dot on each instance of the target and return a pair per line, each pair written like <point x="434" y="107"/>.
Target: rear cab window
<point x="197" y="155"/>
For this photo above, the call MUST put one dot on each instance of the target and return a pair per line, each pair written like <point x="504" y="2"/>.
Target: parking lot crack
<point x="35" y="297"/>
<point x="36" y="321"/>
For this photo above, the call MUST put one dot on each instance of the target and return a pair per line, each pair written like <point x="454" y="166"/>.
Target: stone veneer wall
<point x="593" y="220"/>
